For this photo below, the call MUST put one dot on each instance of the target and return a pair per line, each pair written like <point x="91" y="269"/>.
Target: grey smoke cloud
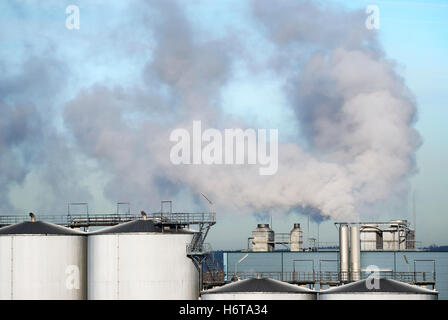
<point x="355" y="113"/>
<point x="351" y="105"/>
<point x="29" y="141"/>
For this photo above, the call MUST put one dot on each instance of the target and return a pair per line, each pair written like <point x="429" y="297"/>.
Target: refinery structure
<point x="163" y="255"/>
<point x="374" y="236"/>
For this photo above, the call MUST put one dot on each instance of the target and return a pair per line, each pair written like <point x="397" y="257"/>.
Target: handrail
<point x="84" y="220"/>
<point x="420" y="277"/>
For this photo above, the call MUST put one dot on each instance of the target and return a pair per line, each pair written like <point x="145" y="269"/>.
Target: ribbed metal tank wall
<point x="42" y="261"/>
<point x="135" y="260"/>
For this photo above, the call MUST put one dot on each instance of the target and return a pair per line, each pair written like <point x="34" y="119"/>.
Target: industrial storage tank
<point x="141" y="259"/>
<point x="259" y="289"/>
<point x="387" y="289"/>
<point x="263" y="238"/>
<point x="42" y="261"/>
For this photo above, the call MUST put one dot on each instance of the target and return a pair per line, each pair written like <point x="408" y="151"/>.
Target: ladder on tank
<point x="199" y="252"/>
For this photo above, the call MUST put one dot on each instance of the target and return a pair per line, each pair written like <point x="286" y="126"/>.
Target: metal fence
<point x="335" y="277"/>
<point x="204" y="248"/>
<point x="186" y="217"/>
<point x="86" y="220"/>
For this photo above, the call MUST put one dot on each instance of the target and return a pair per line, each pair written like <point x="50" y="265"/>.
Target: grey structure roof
<point x="38" y="227"/>
<point x="262" y="285"/>
<point x="385" y="286"/>
<point x="138" y="226"/>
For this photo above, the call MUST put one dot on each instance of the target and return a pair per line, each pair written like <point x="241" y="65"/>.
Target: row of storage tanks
<point x="270" y="289"/>
<point x="140" y="260"/>
<point x="134" y="260"/>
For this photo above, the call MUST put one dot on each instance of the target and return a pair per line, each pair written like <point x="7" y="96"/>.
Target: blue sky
<point x="113" y="45"/>
<point x="416" y="36"/>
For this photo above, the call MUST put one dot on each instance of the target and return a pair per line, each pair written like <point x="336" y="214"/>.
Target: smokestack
<point x="355" y="254"/>
<point x="343" y="252"/>
<point x="33" y="217"/>
<point x="295" y="238"/>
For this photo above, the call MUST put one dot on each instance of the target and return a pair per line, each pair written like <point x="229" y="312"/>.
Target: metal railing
<point x="84" y="220"/>
<point x="335" y="277"/>
<point x="186" y="217"/>
<point x="202" y="249"/>
<point x="8" y="220"/>
<point x="213" y="277"/>
<point x="281" y="237"/>
<point x="99" y="220"/>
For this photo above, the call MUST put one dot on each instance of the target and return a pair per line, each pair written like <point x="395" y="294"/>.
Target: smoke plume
<point x="353" y="110"/>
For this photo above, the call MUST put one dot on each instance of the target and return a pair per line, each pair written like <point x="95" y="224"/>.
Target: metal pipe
<point x="238" y="262"/>
<point x="343" y="252"/>
<point x="355" y="254"/>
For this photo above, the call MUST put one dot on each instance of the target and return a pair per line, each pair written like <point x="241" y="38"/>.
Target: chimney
<point x="355" y="254"/>
<point x="344" y="252"/>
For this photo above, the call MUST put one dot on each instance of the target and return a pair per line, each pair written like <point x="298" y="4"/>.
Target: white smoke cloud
<point x="354" y="111"/>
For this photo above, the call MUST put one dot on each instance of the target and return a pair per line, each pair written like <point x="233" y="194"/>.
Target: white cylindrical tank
<point x="136" y="260"/>
<point x="259" y="289"/>
<point x="42" y="261"/>
<point x="386" y="289"/>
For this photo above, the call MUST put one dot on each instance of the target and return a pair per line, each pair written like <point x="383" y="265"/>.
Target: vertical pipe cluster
<point x="350" y="253"/>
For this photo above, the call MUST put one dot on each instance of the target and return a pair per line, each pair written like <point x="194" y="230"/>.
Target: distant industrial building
<point x="389" y="236"/>
<point x="394" y="235"/>
<point x="264" y="239"/>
